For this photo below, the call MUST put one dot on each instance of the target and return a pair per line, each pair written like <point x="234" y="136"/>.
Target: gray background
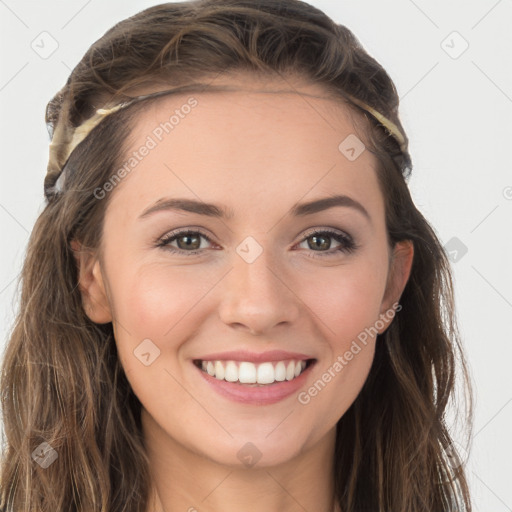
<point x="456" y="105"/>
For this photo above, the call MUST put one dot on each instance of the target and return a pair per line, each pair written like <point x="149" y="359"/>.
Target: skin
<point x="257" y="154"/>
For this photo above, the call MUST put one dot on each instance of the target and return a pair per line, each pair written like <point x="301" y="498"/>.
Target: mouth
<point x="250" y="374"/>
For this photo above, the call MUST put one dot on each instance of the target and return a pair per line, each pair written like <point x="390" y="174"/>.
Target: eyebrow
<point x="213" y="210"/>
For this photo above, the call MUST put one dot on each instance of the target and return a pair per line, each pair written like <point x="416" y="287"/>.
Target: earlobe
<point x="91" y="285"/>
<point x="399" y="273"/>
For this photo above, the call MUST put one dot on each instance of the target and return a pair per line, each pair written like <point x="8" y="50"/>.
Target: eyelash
<point x="347" y="246"/>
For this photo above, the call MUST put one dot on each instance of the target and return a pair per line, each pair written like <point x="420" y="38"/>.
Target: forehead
<point x="253" y="143"/>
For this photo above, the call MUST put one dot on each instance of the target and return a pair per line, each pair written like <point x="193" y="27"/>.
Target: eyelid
<point x="323" y="229"/>
<point x="347" y="241"/>
<point x="187" y="229"/>
<point x="350" y="244"/>
<point x="165" y="240"/>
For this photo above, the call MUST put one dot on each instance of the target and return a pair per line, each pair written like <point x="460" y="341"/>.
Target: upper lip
<point x="254" y="357"/>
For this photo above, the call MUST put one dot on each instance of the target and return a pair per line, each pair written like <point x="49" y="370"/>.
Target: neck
<point x="187" y="481"/>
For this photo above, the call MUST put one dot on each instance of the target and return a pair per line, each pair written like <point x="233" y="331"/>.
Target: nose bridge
<point x="254" y="294"/>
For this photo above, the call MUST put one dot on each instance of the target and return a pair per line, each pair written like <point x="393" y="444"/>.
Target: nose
<point x="258" y="297"/>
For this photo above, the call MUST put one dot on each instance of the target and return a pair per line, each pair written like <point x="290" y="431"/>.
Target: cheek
<point x="345" y="299"/>
<point x="155" y="296"/>
<point x="156" y="302"/>
<point x="348" y="309"/>
<point x="337" y="385"/>
<point x="347" y="303"/>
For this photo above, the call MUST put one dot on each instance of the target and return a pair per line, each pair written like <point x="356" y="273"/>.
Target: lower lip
<point x="256" y="395"/>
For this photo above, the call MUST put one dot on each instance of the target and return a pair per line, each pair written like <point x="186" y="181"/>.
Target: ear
<point x="91" y="285"/>
<point x="399" y="272"/>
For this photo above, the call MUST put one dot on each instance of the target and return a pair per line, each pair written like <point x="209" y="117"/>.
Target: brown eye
<point x="321" y="243"/>
<point x="188" y="241"/>
<point x="316" y="242"/>
<point x="183" y="242"/>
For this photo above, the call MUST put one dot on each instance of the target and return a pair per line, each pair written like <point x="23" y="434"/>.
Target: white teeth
<point x="290" y="370"/>
<point x="266" y="374"/>
<point x="219" y="370"/>
<point x="231" y="374"/>
<point x="247" y="373"/>
<point x="280" y="371"/>
<point x="250" y="373"/>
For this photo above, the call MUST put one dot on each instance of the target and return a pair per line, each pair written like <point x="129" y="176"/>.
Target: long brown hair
<point x="62" y="383"/>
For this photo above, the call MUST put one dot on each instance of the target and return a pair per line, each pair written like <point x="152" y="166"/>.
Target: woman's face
<point x="210" y="254"/>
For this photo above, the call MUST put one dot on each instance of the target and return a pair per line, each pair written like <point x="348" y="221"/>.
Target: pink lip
<point x="256" y="395"/>
<point x="253" y="357"/>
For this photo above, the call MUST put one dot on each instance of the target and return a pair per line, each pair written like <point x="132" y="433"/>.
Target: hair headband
<point x="65" y="138"/>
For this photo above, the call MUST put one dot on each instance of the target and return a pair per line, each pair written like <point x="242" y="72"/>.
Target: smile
<point x="246" y="372"/>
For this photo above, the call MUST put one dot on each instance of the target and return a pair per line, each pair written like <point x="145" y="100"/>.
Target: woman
<point x="230" y="300"/>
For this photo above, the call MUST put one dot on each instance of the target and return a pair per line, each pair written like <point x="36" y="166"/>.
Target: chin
<point x="258" y="453"/>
